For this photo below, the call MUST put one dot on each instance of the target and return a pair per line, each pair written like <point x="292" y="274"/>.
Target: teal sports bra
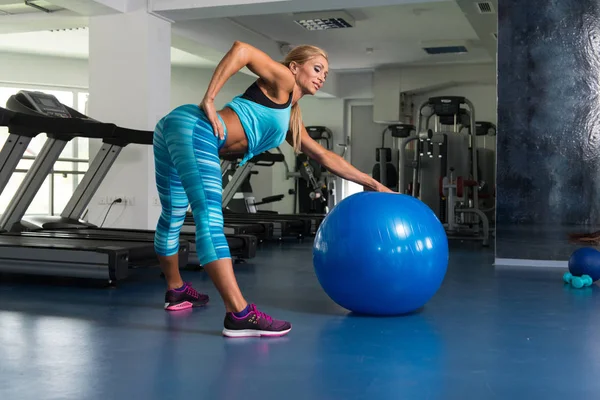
<point x="266" y="123"/>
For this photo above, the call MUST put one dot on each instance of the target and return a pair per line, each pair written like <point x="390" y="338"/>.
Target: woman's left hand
<point x="378" y="188"/>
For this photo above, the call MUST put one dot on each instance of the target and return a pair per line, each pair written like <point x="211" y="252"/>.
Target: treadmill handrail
<point x="69" y="127"/>
<point x="124" y="136"/>
<point x="64" y="126"/>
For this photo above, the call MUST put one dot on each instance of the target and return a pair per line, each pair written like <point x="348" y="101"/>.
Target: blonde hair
<point x="300" y="55"/>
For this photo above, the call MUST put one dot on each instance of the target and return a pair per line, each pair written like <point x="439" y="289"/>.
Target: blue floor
<point x="488" y="334"/>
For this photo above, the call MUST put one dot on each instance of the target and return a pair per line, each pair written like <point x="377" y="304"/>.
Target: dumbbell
<point x="577" y="281"/>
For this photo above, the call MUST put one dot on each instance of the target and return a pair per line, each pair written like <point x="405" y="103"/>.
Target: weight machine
<point x="445" y="168"/>
<point x="384" y="170"/>
<point x="314" y="186"/>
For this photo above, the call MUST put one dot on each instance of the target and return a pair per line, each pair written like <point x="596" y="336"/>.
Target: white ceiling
<point x="201" y="36"/>
<point x="382" y="35"/>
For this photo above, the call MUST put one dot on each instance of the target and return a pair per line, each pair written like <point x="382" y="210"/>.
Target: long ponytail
<point x="296" y="127"/>
<point x="300" y="54"/>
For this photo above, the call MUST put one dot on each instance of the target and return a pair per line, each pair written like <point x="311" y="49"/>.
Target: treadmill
<point x="15" y="146"/>
<point x="69" y="223"/>
<point x="296" y="224"/>
<point x="109" y="260"/>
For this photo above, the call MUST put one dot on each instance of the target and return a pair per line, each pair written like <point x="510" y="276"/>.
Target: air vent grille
<point x="319" y="24"/>
<point x="446" y="50"/>
<point x="485" y="7"/>
<point x="318" y="21"/>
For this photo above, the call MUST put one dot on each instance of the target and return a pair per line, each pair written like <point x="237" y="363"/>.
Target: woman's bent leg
<point x="196" y="160"/>
<point x="174" y="202"/>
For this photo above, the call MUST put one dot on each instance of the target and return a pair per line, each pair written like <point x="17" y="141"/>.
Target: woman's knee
<point x="166" y="237"/>
<point x="212" y="248"/>
<point x="165" y="242"/>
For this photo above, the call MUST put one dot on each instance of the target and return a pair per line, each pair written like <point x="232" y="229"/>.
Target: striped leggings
<point x="188" y="172"/>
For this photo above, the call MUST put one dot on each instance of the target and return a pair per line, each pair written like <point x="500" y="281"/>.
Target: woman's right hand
<point x="208" y="106"/>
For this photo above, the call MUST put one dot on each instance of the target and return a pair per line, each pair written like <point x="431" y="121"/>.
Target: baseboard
<point x="517" y="262"/>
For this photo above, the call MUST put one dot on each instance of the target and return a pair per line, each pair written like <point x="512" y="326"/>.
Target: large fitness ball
<point x="381" y="253"/>
<point x="585" y="261"/>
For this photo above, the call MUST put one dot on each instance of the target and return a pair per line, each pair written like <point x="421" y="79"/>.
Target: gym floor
<point x="488" y="333"/>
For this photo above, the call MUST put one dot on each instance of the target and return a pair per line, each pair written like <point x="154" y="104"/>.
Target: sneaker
<point x="254" y="324"/>
<point x="184" y="298"/>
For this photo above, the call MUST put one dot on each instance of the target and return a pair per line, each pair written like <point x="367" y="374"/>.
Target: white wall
<point x="355" y="85"/>
<point x="43" y="70"/>
<point x="188" y="85"/>
<point x="389" y="82"/>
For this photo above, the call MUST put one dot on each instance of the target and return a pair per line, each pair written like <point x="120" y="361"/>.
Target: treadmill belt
<point x="31" y="239"/>
<point x="239" y="246"/>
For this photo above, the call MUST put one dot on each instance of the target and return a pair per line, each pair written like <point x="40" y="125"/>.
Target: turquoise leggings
<point x="188" y="172"/>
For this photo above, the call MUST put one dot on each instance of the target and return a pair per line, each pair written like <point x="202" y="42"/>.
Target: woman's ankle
<point x="236" y="306"/>
<point x="176" y="284"/>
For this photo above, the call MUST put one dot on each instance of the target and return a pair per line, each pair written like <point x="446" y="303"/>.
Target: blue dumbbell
<point x="567" y="277"/>
<point x="579" y="282"/>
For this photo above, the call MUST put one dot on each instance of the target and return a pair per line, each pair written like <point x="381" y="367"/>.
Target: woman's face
<point x="311" y="75"/>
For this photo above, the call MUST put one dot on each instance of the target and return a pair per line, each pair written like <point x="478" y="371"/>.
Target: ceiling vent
<point x="485" y="7"/>
<point x="15" y="7"/>
<point x="320" y="21"/>
<point x="436" y="47"/>
<point x="33" y="4"/>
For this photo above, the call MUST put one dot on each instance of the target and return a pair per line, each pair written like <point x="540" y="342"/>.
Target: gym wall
<point x="548" y="126"/>
<point x="43" y="70"/>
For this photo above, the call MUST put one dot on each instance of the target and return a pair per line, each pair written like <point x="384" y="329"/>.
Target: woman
<point x="187" y="145"/>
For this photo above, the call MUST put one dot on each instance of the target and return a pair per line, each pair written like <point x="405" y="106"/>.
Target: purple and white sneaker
<point x="183" y="298"/>
<point x="254" y="324"/>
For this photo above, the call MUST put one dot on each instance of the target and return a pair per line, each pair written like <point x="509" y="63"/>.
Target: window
<point x="60" y="184"/>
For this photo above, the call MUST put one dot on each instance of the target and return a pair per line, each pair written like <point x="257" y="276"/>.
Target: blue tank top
<point x="266" y="123"/>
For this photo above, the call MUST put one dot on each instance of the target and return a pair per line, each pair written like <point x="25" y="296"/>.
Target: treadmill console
<point x="44" y="103"/>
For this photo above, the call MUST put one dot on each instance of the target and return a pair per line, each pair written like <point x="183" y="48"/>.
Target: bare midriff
<point x="236" y="141"/>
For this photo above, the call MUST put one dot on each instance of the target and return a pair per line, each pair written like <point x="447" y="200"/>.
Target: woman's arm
<point x="243" y="55"/>
<point x="275" y="74"/>
<point x="338" y="165"/>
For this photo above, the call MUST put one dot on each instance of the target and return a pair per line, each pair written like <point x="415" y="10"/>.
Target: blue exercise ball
<point x="585" y="261"/>
<point x="381" y="253"/>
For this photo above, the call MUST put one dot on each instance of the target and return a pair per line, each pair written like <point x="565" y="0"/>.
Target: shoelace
<point x="191" y="291"/>
<point x="260" y="314"/>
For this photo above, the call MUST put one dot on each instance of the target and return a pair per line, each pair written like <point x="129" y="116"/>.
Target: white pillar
<point x="129" y="84"/>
